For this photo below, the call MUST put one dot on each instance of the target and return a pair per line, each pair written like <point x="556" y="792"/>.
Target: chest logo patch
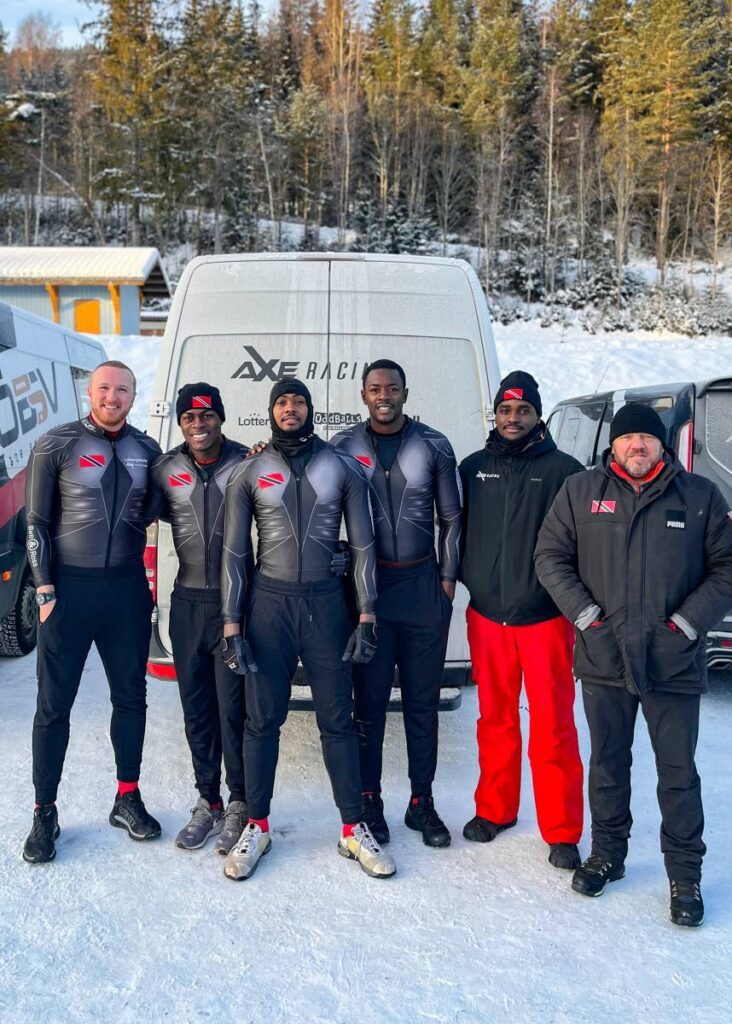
<point x="179" y="479"/>
<point x="91" y="461"/>
<point x="675" y="520"/>
<point x="480" y="475"/>
<point x="365" y="460"/>
<point x="602" y="506"/>
<point x="270" y="480"/>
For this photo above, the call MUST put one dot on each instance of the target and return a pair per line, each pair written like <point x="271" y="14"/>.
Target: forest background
<point x="578" y="153"/>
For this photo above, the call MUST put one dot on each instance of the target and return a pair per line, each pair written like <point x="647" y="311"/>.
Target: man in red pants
<point x="515" y="630"/>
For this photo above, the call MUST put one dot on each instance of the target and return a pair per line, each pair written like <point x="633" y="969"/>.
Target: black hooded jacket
<point x="507" y="490"/>
<point x="641" y="557"/>
<point x="84" y="498"/>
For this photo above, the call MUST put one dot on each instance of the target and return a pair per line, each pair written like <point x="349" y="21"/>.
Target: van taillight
<point x="150" y="560"/>
<point x="685" y="445"/>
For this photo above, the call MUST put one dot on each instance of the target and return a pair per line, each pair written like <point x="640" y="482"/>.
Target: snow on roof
<point x="69" y="265"/>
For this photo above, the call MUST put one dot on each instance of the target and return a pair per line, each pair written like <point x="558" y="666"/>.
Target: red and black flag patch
<point x="180" y="479"/>
<point x="92" y="461"/>
<point x="516" y="393"/>
<point x="602" y="506"/>
<point x="270" y="480"/>
<point x="363" y="459"/>
<point x="201" y="402"/>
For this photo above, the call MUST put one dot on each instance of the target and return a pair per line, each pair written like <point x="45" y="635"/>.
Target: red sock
<point x="123" y="788"/>
<point x="262" y="822"/>
<point x="216" y="806"/>
<point x="348" y="830"/>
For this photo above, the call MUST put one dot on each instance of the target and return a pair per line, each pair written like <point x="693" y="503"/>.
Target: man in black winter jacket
<point x="638" y="555"/>
<point x="515" y="630"/>
<point x="188" y="485"/>
<point x="85" y="501"/>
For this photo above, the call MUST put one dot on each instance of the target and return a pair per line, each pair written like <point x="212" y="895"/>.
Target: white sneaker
<point x="362" y="846"/>
<point x="242" y="861"/>
<point x="204" y="823"/>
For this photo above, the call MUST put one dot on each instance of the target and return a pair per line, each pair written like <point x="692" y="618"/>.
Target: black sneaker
<point x="591" y="877"/>
<point x="483" y="830"/>
<point x="373" y="814"/>
<point x="422" y="817"/>
<point x="565" y="856"/>
<point x="129" y="813"/>
<point x="40" y="846"/>
<point x="687" y="905"/>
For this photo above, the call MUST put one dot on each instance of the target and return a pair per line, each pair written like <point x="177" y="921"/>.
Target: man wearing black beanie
<point x="188" y="485"/>
<point x="296" y="489"/>
<point x="637" y="553"/>
<point x="515" y="630"/>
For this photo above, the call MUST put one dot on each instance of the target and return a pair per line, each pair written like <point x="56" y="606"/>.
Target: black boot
<point x="40" y="846"/>
<point x="687" y="905"/>
<point x="483" y="830"/>
<point x="564" y="855"/>
<point x="129" y="813"/>
<point x="373" y="815"/>
<point x="422" y="817"/>
<point x="591" y="877"/>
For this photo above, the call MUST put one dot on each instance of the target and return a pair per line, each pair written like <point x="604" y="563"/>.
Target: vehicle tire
<point x="18" y="629"/>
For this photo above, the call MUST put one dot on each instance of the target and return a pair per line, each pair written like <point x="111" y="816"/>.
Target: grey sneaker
<point x="204" y="823"/>
<point x="235" y="819"/>
<point x="252" y="844"/>
<point x="362" y="847"/>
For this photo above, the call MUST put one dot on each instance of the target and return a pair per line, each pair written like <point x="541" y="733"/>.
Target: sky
<point x="68" y="15"/>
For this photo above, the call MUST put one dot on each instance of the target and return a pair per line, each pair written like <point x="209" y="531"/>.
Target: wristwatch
<point x="41" y="599"/>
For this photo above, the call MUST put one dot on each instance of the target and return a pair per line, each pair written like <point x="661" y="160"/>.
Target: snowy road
<point x="113" y="931"/>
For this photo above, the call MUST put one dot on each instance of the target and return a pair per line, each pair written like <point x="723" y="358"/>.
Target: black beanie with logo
<point x="519" y="386"/>
<point x="199" y="396"/>
<point x="636" y="418"/>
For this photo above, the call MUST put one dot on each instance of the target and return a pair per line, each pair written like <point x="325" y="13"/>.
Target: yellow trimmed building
<point x="95" y="290"/>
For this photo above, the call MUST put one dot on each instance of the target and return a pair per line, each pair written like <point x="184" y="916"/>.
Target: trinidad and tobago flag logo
<point x="201" y="402"/>
<point x="602" y="506"/>
<point x="270" y="480"/>
<point x="363" y="459"/>
<point x="180" y="479"/>
<point x="516" y="393"/>
<point x="92" y="461"/>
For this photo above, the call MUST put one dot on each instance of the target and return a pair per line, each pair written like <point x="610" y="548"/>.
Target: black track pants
<point x="212" y="695"/>
<point x="111" y="608"/>
<point x="413" y="618"/>
<point x="673" y="726"/>
<point x="285" y="620"/>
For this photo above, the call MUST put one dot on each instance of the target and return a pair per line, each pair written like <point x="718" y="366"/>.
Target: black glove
<point x="237" y="655"/>
<point x="361" y="646"/>
<point x="340" y="563"/>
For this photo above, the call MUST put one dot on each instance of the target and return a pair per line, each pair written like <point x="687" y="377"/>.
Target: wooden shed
<point x="96" y="290"/>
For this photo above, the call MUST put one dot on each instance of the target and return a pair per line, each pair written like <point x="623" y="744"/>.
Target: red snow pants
<point x="542" y="654"/>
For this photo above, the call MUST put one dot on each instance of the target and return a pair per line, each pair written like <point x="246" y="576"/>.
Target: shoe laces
<point x="42" y="824"/>
<point x="597" y="865"/>
<point x="362" y="835"/>
<point x="232" y="819"/>
<point x="200" y="815"/>
<point x="688" y="889"/>
<point x="249" y="837"/>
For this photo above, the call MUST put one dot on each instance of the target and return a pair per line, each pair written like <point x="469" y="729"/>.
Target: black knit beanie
<point x="636" y="418"/>
<point x="199" y="396"/>
<point x="519" y="386"/>
<point x="291" y="386"/>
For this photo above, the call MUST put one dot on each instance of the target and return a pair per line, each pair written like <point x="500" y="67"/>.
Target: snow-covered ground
<point x="118" y="932"/>
<point x="113" y="931"/>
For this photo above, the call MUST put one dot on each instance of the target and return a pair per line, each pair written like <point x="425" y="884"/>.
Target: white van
<point x="243" y="322"/>
<point x="44" y="374"/>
